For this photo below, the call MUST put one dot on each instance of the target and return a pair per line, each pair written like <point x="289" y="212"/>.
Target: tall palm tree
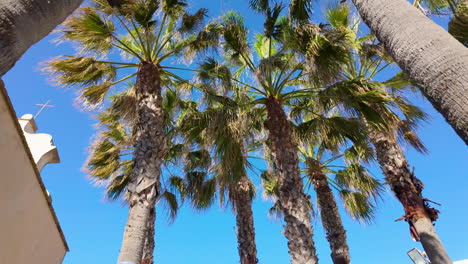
<point x="426" y="52"/>
<point x="356" y="80"/>
<point x="355" y="186"/>
<point x="327" y="138"/>
<point x="357" y="189"/>
<point x="274" y="73"/>
<point x="24" y="23"/>
<point x="227" y="128"/>
<point x="131" y="28"/>
<point x="109" y="162"/>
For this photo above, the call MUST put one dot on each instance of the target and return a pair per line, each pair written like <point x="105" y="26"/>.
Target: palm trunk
<point x="331" y="219"/>
<point x="149" y="242"/>
<point x="407" y="189"/>
<point x="147" y="158"/>
<point x="25" y="22"/>
<point x="428" y="53"/>
<point x="293" y="201"/>
<point x="241" y="194"/>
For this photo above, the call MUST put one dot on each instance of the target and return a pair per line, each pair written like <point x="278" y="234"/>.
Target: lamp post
<point x="418" y="257"/>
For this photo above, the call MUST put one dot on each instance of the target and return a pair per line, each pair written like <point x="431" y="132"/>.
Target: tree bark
<point x="241" y="194"/>
<point x="408" y="190"/>
<point x="148" y="249"/>
<point x="426" y="52"/>
<point x="148" y="154"/>
<point x="294" y="203"/>
<point x="25" y="22"/>
<point x="329" y="214"/>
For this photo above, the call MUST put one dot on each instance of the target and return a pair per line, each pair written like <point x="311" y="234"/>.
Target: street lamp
<point x="418" y="257"/>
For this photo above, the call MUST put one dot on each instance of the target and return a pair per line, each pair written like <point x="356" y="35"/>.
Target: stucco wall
<point x="29" y="230"/>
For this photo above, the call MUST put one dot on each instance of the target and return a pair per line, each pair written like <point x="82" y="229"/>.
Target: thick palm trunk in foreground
<point x="331" y="219"/>
<point x="148" y="249"/>
<point x="407" y="189"/>
<point x="294" y="202"/>
<point x="147" y="158"/>
<point x="25" y="22"/>
<point x="241" y="195"/>
<point x="428" y="53"/>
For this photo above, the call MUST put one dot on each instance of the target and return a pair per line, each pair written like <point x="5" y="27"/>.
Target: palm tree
<point x="355" y="81"/>
<point x="19" y="19"/>
<point x="327" y="138"/>
<point x="426" y="52"/>
<point x="109" y="162"/>
<point x="355" y="186"/>
<point x="229" y="129"/>
<point x="131" y="29"/>
<point x="275" y="73"/>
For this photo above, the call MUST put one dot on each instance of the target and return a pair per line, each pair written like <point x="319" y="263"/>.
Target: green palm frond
<point x="406" y="132"/>
<point x="117" y="186"/>
<point x="270" y="26"/>
<point x="201" y="191"/>
<point x="171" y="204"/>
<point x="143" y="12"/>
<point x="191" y="23"/>
<point x="124" y="104"/>
<point x="206" y="39"/>
<point x="104" y="160"/>
<point x="197" y="160"/>
<point x="300" y="9"/>
<point x="259" y="5"/>
<point x="264" y="46"/>
<point x="356" y="177"/>
<point x="358" y="206"/>
<point x="173" y="8"/>
<point x="269" y="184"/>
<point x="338" y="16"/>
<point x="72" y="71"/>
<point x="88" y="29"/>
<point x="235" y="36"/>
<point x="211" y="71"/>
<point x="333" y="132"/>
<point x="359" y="153"/>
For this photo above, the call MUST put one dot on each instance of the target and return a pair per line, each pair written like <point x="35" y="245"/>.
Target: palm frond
<point x="358" y="206"/>
<point x="191" y="23"/>
<point x="171" y="204"/>
<point x="235" y="36"/>
<point x="73" y="71"/>
<point x="90" y="30"/>
<point x="259" y="6"/>
<point x="173" y="8"/>
<point x="355" y="177"/>
<point x="300" y="9"/>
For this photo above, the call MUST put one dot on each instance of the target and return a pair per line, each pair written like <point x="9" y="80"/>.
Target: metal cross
<point x="42" y="108"/>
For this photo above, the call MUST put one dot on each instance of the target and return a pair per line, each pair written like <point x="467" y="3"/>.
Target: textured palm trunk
<point x="241" y="194"/>
<point x="293" y="201"/>
<point x="331" y="219"/>
<point x="408" y="190"/>
<point x="25" y="22"/>
<point x="149" y="239"/>
<point x="428" y="53"/>
<point x="147" y="158"/>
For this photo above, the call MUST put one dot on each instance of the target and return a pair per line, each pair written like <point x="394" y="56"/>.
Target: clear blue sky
<point x="94" y="226"/>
